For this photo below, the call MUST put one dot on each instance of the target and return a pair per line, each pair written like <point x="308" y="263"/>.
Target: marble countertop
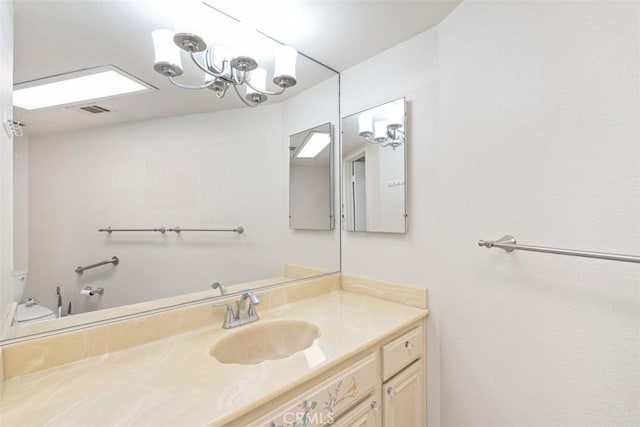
<point x="174" y="381"/>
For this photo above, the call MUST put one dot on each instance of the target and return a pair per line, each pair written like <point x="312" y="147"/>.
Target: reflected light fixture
<point x="223" y="67"/>
<point x="313" y="145"/>
<point x="385" y="133"/>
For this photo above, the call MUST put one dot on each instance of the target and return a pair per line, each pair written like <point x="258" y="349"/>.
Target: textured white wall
<point x="523" y="119"/>
<point x="6" y="156"/>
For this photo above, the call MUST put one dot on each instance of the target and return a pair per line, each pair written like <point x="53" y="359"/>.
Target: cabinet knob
<point x="408" y="345"/>
<point x="375" y="406"/>
<point x="391" y="392"/>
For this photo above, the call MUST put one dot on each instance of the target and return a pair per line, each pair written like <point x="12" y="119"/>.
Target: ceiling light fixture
<point x="313" y="145"/>
<point x="380" y="131"/>
<point x="223" y="68"/>
<point x="75" y="87"/>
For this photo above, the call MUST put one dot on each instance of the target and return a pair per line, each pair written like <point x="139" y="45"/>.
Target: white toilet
<point x="29" y="311"/>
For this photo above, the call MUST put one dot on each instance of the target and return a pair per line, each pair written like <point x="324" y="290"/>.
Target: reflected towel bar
<point x="114" y="260"/>
<point x="110" y="230"/>
<point x="508" y="243"/>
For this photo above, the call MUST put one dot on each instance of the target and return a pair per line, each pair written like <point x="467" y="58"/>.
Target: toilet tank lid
<point x="24" y="313"/>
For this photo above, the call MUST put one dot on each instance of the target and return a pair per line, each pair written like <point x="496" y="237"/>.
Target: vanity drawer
<point x="321" y="404"/>
<point x="401" y="352"/>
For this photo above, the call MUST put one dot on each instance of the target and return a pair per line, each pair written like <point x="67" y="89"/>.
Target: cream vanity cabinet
<point x="382" y="386"/>
<point x="403" y="373"/>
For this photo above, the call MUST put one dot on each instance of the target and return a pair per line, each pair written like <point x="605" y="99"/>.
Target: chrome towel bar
<point x="110" y="230"/>
<point x="508" y="243"/>
<point x="114" y="260"/>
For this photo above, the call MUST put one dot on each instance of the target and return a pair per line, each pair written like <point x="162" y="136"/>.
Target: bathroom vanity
<point x="381" y="386"/>
<point x="365" y="368"/>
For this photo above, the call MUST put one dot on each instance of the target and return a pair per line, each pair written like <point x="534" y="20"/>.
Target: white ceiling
<point x="339" y="33"/>
<point x="60" y="36"/>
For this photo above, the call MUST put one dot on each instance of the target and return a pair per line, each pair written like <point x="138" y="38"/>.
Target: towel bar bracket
<point x="510" y="240"/>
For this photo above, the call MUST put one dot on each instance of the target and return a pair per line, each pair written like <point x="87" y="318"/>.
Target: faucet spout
<point x="253" y="298"/>
<point x="220" y="285"/>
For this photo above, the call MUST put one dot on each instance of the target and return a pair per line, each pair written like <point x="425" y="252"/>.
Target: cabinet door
<point x="404" y="402"/>
<point x="366" y="414"/>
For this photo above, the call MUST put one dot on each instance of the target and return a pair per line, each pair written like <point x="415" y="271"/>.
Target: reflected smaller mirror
<point x="373" y="168"/>
<point x="311" y="179"/>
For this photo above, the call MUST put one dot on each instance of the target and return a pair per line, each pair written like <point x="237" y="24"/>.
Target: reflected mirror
<point x="311" y="179"/>
<point x="176" y="171"/>
<point x="373" y="167"/>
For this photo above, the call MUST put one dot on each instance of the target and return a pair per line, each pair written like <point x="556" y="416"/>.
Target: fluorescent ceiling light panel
<point x="315" y="143"/>
<point x="76" y="87"/>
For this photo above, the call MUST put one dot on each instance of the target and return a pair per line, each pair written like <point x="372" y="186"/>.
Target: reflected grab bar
<point x="114" y="260"/>
<point x="110" y="230"/>
<point x="508" y="243"/>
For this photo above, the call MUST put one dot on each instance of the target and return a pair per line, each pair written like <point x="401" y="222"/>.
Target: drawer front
<point x="320" y="405"/>
<point x="366" y="414"/>
<point x="402" y="351"/>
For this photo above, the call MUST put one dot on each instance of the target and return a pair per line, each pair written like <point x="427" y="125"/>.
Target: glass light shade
<point x="258" y="80"/>
<point x="166" y="51"/>
<point x="365" y="124"/>
<point x="285" y="61"/>
<point x="396" y="115"/>
<point x="380" y="130"/>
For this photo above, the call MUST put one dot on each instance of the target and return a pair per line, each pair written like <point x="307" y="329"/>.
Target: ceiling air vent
<point x="94" y="109"/>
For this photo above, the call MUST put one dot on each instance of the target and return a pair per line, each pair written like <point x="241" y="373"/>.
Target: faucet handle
<point x="229" y="317"/>
<point x="254" y="300"/>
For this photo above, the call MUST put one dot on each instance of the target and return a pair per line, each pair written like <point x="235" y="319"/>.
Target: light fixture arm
<point x="189" y="87"/>
<point x="220" y="93"/>
<point x="396" y="134"/>
<point x="247" y="103"/>
<point x="208" y="67"/>
<point x="264" y="92"/>
<point x="238" y="76"/>
<point x="394" y="138"/>
<point x="393" y="144"/>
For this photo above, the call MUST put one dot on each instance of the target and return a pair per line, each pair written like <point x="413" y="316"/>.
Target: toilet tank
<point x="19" y="279"/>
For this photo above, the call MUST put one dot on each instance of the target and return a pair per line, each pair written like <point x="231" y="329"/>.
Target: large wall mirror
<point x="311" y="179"/>
<point x="167" y="166"/>
<point x="374" y="169"/>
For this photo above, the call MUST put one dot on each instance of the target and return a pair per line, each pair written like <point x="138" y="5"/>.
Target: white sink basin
<point x="264" y="340"/>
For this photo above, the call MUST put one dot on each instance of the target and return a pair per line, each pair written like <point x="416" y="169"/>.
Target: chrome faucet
<point x="241" y="316"/>
<point x="220" y="285"/>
